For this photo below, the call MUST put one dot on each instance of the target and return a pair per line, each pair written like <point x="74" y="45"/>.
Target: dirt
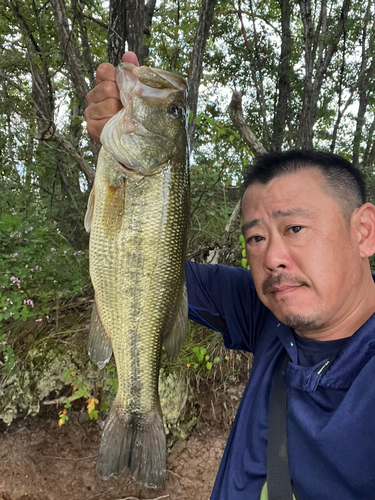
<point x="41" y="461"/>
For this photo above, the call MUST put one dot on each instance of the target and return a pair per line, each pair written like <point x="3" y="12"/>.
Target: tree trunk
<point x="319" y="55"/>
<point x="196" y="60"/>
<point x="116" y="31"/>
<point x="129" y="21"/>
<point x="68" y="49"/>
<point x="365" y="76"/>
<point x="283" y="98"/>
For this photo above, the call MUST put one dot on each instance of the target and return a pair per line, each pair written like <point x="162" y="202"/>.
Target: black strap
<point x="278" y="477"/>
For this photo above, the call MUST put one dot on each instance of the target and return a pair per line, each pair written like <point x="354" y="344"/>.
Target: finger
<point x="102" y="110"/>
<point x="130" y="57"/>
<point x="103" y="91"/>
<point x="94" y="128"/>
<point x="105" y="72"/>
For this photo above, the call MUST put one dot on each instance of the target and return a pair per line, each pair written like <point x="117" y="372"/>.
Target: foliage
<point x="47" y="156"/>
<point x="37" y="264"/>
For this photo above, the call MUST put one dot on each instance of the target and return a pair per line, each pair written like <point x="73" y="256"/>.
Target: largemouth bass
<point x="137" y="214"/>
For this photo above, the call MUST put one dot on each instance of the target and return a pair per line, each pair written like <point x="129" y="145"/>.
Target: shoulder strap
<point x="278" y="477"/>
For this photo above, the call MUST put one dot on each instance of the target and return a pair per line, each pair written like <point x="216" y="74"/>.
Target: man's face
<point x="303" y="254"/>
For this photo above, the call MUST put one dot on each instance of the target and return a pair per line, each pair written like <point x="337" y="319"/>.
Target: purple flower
<point x="5" y="308"/>
<point x="10" y="314"/>
<point x="6" y="358"/>
<point x="39" y="320"/>
<point x="15" y="255"/>
<point x="65" y="252"/>
<point x="53" y="250"/>
<point x="4" y="342"/>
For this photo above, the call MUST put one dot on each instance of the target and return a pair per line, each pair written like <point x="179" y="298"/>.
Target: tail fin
<point x="134" y="441"/>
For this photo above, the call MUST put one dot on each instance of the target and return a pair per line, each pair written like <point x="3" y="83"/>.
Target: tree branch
<point x="236" y="115"/>
<point x="85" y="167"/>
<point x="72" y="58"/>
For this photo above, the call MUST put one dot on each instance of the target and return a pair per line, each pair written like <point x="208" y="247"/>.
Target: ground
<point x="41" y="461"/>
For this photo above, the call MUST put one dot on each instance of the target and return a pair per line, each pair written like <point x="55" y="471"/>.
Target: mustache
<point x="282" y="279"/>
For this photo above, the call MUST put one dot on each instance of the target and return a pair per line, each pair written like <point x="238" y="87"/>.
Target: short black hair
<point x="344" y="181"/>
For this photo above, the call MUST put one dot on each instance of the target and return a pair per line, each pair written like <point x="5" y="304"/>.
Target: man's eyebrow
<point x="250" y="224"/>
<point x="293" y="211"/>
<point x="278" y="214"/>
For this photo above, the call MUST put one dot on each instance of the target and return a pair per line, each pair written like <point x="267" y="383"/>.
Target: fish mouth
<point x="151" y="78"/>
<point x="125" y="167"/>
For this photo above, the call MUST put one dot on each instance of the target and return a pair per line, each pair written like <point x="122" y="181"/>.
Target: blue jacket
<point x="330" y="418"/>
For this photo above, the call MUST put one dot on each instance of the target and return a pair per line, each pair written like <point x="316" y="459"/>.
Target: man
<point x="310" y="294"/>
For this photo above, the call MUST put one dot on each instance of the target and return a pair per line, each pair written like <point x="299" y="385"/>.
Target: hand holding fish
<point x="104" y="99"/>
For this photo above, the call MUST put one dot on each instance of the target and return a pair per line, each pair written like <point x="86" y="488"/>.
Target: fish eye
<point x="175" y="111"/>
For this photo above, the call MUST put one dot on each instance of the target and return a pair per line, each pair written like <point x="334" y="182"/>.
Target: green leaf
<point x="243" y="262"/>
<point x="208" y="366"/>
<point x="216" y="361"/>
<point x="94" y="415"/>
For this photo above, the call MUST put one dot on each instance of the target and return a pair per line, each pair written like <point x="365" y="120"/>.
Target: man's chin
<point x="299" y="322"/>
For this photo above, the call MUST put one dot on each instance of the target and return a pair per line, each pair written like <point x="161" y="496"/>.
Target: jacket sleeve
<point x="224" y="298"/>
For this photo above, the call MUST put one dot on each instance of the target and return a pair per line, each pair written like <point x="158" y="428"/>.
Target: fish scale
<point x="138" y="221"/>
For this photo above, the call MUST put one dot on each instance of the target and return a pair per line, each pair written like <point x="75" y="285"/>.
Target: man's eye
<point x="255" y="239"/>
<point x="295" y="229"/>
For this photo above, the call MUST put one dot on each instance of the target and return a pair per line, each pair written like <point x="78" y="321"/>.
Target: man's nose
<point x="277" y="256"/>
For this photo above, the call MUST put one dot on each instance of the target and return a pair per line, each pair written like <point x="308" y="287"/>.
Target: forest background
<point x="263" y="75"/>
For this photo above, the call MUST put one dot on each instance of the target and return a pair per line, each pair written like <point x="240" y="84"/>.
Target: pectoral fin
<point x="90" y="209"/>
<point x="100" y="347"/>
<point x="175" y="337"/>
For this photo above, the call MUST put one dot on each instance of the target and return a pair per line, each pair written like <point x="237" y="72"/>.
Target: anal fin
<point x="175" y="337"/>
<point x="100" y="347"/>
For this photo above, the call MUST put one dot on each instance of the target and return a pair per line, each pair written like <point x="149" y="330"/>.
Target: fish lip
<point x="126" y="167"/>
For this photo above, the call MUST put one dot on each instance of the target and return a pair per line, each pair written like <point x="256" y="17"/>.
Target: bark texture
<point x="116" y="31"/>
<point x="283" y="87"/>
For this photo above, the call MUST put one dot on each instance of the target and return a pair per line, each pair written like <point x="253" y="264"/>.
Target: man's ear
<point x="365" y="227"/>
